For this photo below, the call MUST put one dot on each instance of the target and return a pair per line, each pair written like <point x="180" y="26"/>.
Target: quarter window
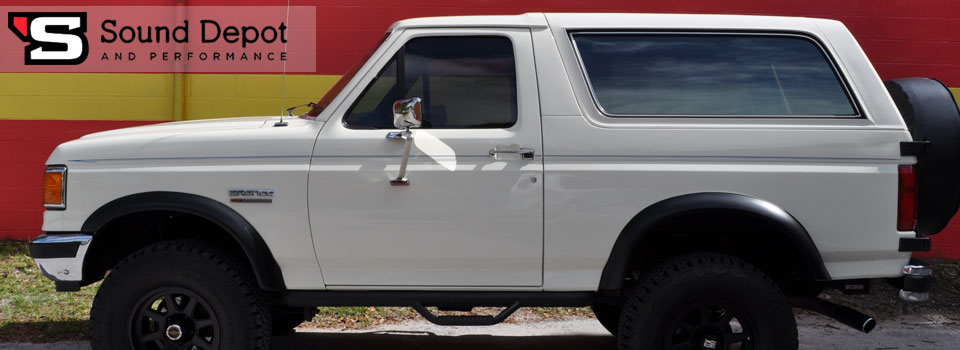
<point x="465" y="82"/>
<point x="710" y="75"/>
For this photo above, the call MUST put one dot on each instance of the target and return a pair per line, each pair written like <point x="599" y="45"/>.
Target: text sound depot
<point x="210" y="32"/>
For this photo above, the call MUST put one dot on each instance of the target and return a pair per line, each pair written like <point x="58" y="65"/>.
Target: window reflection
<point x="711" y="74"/>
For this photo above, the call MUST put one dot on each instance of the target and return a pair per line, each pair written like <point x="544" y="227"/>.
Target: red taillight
<point x="907" y="199"/>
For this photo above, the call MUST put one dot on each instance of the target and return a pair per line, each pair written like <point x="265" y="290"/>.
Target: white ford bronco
<point x="690" y="177"/>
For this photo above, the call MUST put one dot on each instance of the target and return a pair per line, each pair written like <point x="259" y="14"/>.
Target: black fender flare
<point x="265" y="267"/>
<point x="641" y="224"/>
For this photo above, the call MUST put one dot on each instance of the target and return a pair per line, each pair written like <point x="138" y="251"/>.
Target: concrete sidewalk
<point x="816" y="332"/>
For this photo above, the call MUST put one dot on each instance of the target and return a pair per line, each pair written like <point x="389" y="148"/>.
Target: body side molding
<point x="264" y="266"/>
<point x="650" y="217"/>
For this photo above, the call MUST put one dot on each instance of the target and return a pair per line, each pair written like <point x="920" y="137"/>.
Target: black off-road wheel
<point x="179" y="295"/>
<point x="608" y="315"/>
<point x="707" y="301"/>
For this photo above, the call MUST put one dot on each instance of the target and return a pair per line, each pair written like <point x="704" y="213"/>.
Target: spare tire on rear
<point x="931" y="114"/>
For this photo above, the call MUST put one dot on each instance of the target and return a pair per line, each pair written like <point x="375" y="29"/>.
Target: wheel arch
<point x="646" y="221"/>
<point x="254" y="248"/>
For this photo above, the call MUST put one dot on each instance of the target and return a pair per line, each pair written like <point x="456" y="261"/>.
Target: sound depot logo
<point x="160" y="39"/>
<point x="54" y="38"/>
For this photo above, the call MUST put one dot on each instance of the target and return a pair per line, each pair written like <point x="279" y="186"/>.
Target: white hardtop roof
<point x="617" y="20"/>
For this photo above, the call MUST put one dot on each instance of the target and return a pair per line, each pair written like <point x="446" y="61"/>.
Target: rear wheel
<point x="707" y="301"/>
<point x="179" y="295"/>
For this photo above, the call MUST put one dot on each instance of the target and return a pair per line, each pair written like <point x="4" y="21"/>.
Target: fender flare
<point x="645" y="221"/>
<point x="264" y="266"/>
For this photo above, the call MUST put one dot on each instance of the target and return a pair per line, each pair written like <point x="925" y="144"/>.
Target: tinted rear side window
<point x="711" y="75"/>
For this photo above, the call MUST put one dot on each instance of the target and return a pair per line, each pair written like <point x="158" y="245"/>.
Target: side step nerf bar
<point x="472" y="320"/>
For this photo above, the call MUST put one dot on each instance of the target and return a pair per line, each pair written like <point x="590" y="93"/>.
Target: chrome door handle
<point x="398" y="135"/>
<point x="525" y="153"/>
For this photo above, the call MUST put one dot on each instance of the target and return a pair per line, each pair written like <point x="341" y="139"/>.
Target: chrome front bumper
<point x="60" y="257"/>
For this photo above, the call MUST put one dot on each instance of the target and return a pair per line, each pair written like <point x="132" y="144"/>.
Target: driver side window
<point x="465" y="82"/>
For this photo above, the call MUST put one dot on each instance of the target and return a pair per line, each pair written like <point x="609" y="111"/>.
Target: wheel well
<point x="738" y="233"/>
<point x="128" y="223"/>
<point x="124" y="235"/>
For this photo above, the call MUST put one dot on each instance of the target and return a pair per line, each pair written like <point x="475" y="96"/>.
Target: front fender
<point x="265" y="267"/>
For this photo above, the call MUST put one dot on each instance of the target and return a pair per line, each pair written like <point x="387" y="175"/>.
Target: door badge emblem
<point x="251" y="196"/>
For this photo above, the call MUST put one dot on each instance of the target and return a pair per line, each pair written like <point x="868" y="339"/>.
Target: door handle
<point x="525" y="153"/>
<point x="398" y="135"/>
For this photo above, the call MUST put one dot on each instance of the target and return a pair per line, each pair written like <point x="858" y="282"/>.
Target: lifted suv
<point x="690" y="177"/>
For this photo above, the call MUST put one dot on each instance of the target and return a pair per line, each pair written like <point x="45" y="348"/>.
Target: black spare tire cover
<point x="931" y="114"/>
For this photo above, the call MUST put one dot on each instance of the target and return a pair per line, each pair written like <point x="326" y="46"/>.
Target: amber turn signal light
<point x="54" y="187"/>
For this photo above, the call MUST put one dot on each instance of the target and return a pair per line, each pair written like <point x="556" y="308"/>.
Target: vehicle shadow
<point x="43" y="331"/>
<point x="423" y="340"/>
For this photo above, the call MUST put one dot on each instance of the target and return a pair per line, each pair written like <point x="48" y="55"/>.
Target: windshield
<point x="335" y="90"/>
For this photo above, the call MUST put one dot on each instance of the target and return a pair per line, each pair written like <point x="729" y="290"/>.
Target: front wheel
<point x="707" y="301"/>
<point x="179" y="295"/>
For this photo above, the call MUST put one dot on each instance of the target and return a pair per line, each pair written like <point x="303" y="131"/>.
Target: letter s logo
<point x="54" y="37"/>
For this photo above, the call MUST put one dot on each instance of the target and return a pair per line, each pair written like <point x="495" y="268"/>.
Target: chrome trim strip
<point x="537" y="156"/>
<point x="680" y="156"/>
<point x="64" y="269"/>
<point x="851" y="97"/>
<point x="182" y="158"/>
<point x="63" y="238"/>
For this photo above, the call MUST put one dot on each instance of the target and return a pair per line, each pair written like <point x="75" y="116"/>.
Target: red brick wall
<point x="24" y="147"/>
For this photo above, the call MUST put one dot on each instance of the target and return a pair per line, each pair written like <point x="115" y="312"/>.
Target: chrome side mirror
<point x="406" y="113"/>
<point x="291" y="109"/>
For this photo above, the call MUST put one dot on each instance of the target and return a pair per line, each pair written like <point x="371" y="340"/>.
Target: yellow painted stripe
<point x="157" y="97"/>
<point x="956" y="95"/>
<point x="222" y="95"/>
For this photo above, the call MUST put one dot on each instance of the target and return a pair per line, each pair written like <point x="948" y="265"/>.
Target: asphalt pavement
<point x="914" y="332"/>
